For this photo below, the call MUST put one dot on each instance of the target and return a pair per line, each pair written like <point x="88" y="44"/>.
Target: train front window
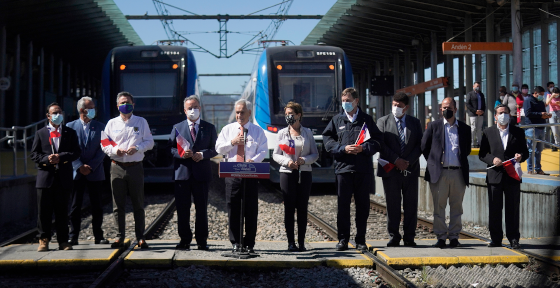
<point x="313" y="85"/>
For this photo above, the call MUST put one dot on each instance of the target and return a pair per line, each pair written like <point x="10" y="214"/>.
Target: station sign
<point x="244" y="170"/>
<point x="477" y="48"/>
<point x="433" y="84"/>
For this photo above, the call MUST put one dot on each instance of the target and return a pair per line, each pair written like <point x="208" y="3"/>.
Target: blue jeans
<point x="537" y="133"/>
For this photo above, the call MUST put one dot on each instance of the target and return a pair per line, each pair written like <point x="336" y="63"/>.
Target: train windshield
<point x="313" y="85"/>
<point x="154" y="85"/>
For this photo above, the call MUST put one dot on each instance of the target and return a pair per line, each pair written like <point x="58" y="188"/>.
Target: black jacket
<point x="492" y="147"/>
<point x="533" y="111"/>
<point x="472" y="103"/>
<point x="68" y="151"/>
<point x="433" y="148"/>
<point x="341" y="132"/>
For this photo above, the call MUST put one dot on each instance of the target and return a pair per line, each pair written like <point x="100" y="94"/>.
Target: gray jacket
<point x="309" y="152"/>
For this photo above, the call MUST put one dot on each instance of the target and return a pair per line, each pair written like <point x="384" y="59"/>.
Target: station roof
<point x="372" y="30"/>
<point x="82" y="30"/>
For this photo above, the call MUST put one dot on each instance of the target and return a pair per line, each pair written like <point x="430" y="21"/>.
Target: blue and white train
<point x="313" y="76"/>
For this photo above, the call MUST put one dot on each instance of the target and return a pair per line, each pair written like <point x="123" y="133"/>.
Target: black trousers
<point x="358" y="184"/>
<point x="296" y="196"/>
<point x="94" y="189"/>
<point x="400" y="188"/>
<point x="199" y="191"/>
<point x="234" y="194"/>
<point x="49" y="200"/>
<point x="510" y="190"/>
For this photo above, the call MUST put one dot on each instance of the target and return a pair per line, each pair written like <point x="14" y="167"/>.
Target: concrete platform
<point x="547" y="246"/>
<point x="87" y="255"/>
<point x="470" y="253"/>
<point x="272" y="255"/>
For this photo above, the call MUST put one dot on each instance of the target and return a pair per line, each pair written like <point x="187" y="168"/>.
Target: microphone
<point x="245" y="131"/>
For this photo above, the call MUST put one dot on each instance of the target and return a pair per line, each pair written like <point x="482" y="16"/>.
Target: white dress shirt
<point x="256" y="142"/>
<point x="451" y="154"/>
<point x="134" y="132"/>
<point x="352" y="118"/>
<point x="56" y="140"/>
<point x="504" y="133"/>
<point x="196" y="126"/>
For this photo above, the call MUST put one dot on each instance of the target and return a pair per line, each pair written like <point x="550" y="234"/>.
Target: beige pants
<point x="449" y="186"/>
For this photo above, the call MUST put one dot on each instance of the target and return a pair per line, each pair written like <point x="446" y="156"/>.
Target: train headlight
<point x="122" y="67"/>
<point x="331" y="67"/>
<point x="175" y="66"/>
<point x="272" y="128"/>
<point x="279" y="67"/>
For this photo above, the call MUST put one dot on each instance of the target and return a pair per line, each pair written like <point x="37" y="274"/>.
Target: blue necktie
<point x="401" y="135"/>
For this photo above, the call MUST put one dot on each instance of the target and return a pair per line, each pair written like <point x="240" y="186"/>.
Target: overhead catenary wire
<point x="449" y="40"/>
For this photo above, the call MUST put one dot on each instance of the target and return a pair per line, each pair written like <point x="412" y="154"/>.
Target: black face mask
<point x="290" y="119"/>
<point x="447" y="113"/>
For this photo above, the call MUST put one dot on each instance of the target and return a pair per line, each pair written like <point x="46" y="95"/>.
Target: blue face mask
<point x="348" y="106"/>
<point x="515" y="88"/>
<point x="126" y="108"/>
<point x="57" y="119"/>
<point x="540" y="97"/>
<point x="90" y="113"/>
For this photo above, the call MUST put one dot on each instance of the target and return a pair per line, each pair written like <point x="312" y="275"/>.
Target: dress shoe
<point x="440" y="243"/>
<point x="73" y="242"/>
<point x="302" y="247"/>
<point x="454" y="243"/>
<point x="342" y="245"/>
<point x="394" y="243"/>
<point x="515" y="244"/>
<point x="494" y="244"/>
<point x="118" y="243"/>
<point x="183" y="246"/>
<point x="292" y="247"/>
<point x="554" y="149"/>
<point x="409" y="244"/>
<point x="250" y="249"/>
<point x="43" y="245"/>
<point x="142" y="244"/>
<point x="203" y="247"/>
<point x="102" y="241"/>
<point x="65" y="246"/>
<point x="236" y="248"/>
<point x="361" y="246"/>
<point x="540" y="172"/>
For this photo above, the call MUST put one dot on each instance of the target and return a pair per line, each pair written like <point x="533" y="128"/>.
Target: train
<point x="312" y="75"/>
<point x="159" y="78"/>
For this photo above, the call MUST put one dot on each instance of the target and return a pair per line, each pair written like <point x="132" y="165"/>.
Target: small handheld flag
<point x="288" y="146"/>
<point x="182" y="143"/>
<point x="513" y="169"/>
<point x="386" y="165"/>
<point x="53" y="134"/>
<point x="106" y="140"/>
<point x="364" y="135"/>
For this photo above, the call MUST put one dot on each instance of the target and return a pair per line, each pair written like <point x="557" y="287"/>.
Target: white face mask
<point x="397" y="111"/>
<point x="503" y="119"/>
<point x="193" y="114"/>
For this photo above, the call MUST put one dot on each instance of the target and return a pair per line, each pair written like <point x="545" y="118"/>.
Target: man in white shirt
<point x="231" y="143"/>
<point x="133" y="137"/>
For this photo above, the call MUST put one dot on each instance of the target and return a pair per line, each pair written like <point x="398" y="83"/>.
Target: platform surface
<point x="546" y="246"/>
<point x="271" y="255"/>
<point x="87" y="255"/>
<point x="471" y="252"/>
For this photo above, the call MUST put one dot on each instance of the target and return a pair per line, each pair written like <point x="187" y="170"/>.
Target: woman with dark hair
<point x="553" y="102"/>
<point x="295" y="153"/>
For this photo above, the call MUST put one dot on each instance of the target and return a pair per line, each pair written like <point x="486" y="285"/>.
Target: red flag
<point x="53" y="134"/>
<point x="106" y="140"/>
<point x="386" y="165"/>
<point x="182" y="143"/>
<point x="288" y="146"/>
<point x="513" y="169"/>
<point x="364" y="135"/>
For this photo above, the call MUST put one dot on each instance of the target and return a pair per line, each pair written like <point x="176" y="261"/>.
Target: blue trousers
<point x="537" y="133"/>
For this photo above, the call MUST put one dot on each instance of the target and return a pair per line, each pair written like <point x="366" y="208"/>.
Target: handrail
<point x="535" y="140"/>
<point x="12" y="138"/>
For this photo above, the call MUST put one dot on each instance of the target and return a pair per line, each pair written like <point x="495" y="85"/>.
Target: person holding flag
<point x="402" y="135"/>
<point x="295" y="153"/>
<point x="54" y="148"/>
<point x="502" y="148"/>
<point x="193" y="144"/>
<point x="346" y="138"/>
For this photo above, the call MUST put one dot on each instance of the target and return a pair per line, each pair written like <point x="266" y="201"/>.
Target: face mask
<point x="348" y="106"/>
<point x="193" y="114"/>
<point x="515" y="88"/>
<point x="477" y="89"/>
<point x="126" y="108"/>
<point x="502" y="98"/>
<point x="550" y="89"/>
<point x="540" y="97"/>
<point x="503" y="119"/>
<point x="398" y="111"/>
<point x="448" y="113"/>
<point x="524" y="91"/>
<point x="90" y="113"/>
<point x="555" y="95"/>
<point x="57" y="119"/>
<point x="290" y="119"/>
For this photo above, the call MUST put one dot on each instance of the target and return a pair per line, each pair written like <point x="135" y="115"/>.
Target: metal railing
<point x="13" y="141"/>
<point x="535" y="140"/>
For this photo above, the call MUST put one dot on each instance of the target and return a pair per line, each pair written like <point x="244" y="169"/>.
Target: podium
<point x="244" y="170"/>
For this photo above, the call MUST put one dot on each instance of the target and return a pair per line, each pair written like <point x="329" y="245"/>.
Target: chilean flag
<point x="182" y="143"/>
<point x="385" y="164"/>
<point x="53" y="134"/>
<point x="364" y="135"/>
<point x="288" y="146"/>
<point x="106" y="140"/>
<point x="513" y="169"/>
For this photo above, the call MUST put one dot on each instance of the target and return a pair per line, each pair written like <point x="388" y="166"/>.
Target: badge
<point x="136" y="129"/>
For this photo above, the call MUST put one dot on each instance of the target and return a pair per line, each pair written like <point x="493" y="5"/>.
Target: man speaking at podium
<point x="242" y="142"/>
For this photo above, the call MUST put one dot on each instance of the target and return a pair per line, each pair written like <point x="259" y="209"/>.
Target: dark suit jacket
<point x="433" y="148"/>
<point x="205" y="143"/>
<point x="492" y="147"/>
<point x="392" y="148"/>
<point x="68" y="151"/>
<point x="92" y="154"/>
<point x="472" y="103"/>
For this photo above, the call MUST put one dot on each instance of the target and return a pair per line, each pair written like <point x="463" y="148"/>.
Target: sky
<point x="293" y="30"/>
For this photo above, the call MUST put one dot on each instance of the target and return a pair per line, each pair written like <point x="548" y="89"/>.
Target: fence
<point x="13" y="141"/>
